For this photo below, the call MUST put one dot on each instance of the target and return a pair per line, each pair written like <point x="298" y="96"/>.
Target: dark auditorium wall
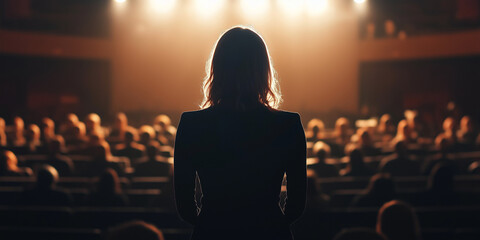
<point x="424" y="84"/>
<point x="34" y="87"/>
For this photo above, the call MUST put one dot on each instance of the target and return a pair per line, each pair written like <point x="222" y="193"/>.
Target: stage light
<point x="161" y="6"/>
<point x="120" y="1"/>
<point x="291" y="7"/>
<point x="208" y="7"/>
<point x="359" y="1"/>
<point x="315" y="7"/>
<point x="255" y="7"/>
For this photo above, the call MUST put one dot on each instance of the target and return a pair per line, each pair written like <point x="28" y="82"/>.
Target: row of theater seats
<point x="88" y="223"/>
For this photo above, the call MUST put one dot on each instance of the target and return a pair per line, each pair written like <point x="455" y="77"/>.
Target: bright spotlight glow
<point x="315" y="7"/>
<point x="255" y="7"/>
<point x="161" y="6"/>
<point x="120" y="1"/>
<point x="359" y="1"/>
<point x="292" y="7"/>
<point x="208" y="7"/>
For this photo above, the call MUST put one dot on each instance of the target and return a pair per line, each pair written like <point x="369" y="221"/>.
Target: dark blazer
<point x="241" y="159"/>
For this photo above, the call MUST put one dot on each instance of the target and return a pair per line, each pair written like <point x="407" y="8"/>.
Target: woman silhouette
<point x="240" y="146"/>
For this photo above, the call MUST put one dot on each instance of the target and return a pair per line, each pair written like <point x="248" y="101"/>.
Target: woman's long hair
<point x="239" y="73"/>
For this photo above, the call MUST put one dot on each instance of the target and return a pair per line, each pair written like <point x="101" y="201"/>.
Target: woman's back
<point x="241" y="158"/>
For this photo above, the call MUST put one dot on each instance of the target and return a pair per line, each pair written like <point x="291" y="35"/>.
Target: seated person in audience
<point x="66" y="129"/>
<point x="9" y="167"/>
<point x="359" y="234"/>
<point x="164" y="131"/>
<point x="62" y="163"/>
<point x="386" y="128"/>
<point x="443" y="147"/>
<point x="78" y="139"/>
<point x="16" y="137"/>
<point x="315" y="130"/>
<point x="321" y="150"/>
<point x="138" y="230"/>
<point x="108" y="192"/>
<point x="103" y="159"/>
<point x="147" y="136"/>
<point x="440" y="187"/>
<point x="120" y="127"/>
<point x="47" y="131"/>
<point x="94" y="140"/>
<point x="33" y="144"/>
<point x="316" y="199"/>
<point x="397" y="221"/>
<point x="449" y="133"/>
<point x="45" y="192"/>
<point x="342" y="135"/>
<point x="419" y="130"/>
<point x="467" y="134"/>
<point x="130" y="148"/>
<point x="356" y="167"/>
<point x="153" y="166"/>
<point x="474" y="168"/>
<point x="380" y="190"/>
<point x="365" y="143"/>
<point x="93" y="124"/>
<point x="404" y="133"/>
<point x="3" y="135"/>
<point x="399" y="164"/>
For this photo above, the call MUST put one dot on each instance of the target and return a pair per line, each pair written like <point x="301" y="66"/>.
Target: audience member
<point x="467" y="134"/>
<point x="315" y="130"/>
<point x="130" y="148"/>
<point x="108" y="192"/>
<point x="45" y="192"/>
<point x="153" y="166"/>
<point x="440" y="188"/>
<point x="62" y="163"/>
<point x="365" y="143"/>
<point x="17" y="137"/>
<point x="442" y="157"/>
<point x="404" y="133"/>
<point x="386" y="128"/>
<point x="9" y="167"/>
<point x="78" y="139"/>
<point x="449" y="134"/>
<point x="33" y="144"/>
<point x="147" y="135"/>
<point x="120" y="127"/>
<point x="323" y="170"/>
<point x="474" y="168"/>
<point x="359" y="234"/>
<point x="3" y="135"/>
<point x="397" y="221"/>
<point x="380" y="190"/>
<point x="165" y="132"/>
<point x="399" y="164"/>
<point x="67" y="128"/>
<point x="93" y="124"/>
<point x="138" y="230"/>
<point x="419" y="131"/>
<point x="103" y="159"/>
<point x="356" y="167"/>
<point x="47" y="130"/>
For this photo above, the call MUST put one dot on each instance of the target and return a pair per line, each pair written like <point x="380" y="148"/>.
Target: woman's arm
<point x="184" y="172"/>
<point x="296" y="173"/>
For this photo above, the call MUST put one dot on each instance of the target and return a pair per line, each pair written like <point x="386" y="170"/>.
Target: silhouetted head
<point x="401" y="148"/>
<point x="47" y="126"/>
<point x="79" y="130"/>
<point x="109" y="182"/>
<point x="240" y="74"/>
<point x="441" y="178"/>
<point x="121" y="121"/>
<point x="135" y="230"/>
<point x="358" y="234"/>
<point x="442" y="144"/>
<point x="2" y="124"/>
<point x="33" y="133"/>
<point x="152" y="152"/>
<point x="92" y="122"/>
<point x="315" y="128"/>
<point x="398" y="221"/>
<point x="364" y="140"/>
<point x="47" y="177"/>
<point x="162" y="121"/>
<point x="356" y="159"/>
<point x="95" y="139"/>
<point x="403" y="131"/>
<point x="8" y="162"/>
<point x="147" y="134"/>
<point x="102" y="152"/>
<point x="466" y="124"/>
<point x="342" y="125"/>
<point x="321" y="150"/>
<point x="449" y="124"/>
<point x="386" y="125"/>
<point x="131" y="136"/>
<point x="18" y="124"/>
<point x="57" y="145"/>
<point x="381" y="185"/>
